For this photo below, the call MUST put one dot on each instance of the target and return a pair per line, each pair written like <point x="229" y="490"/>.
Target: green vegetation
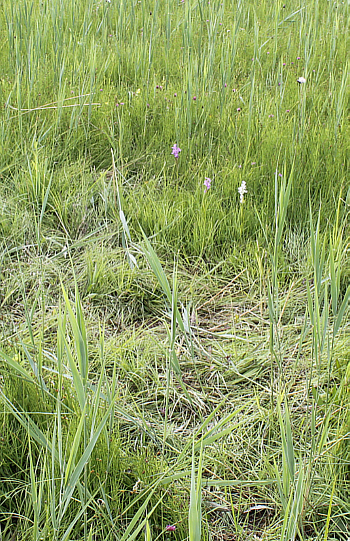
<point x="174" y="356"/>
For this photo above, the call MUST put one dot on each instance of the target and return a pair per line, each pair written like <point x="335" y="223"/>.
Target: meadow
<point x="174" y="262"/>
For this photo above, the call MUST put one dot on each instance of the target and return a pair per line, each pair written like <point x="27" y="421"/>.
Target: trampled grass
<point x="174" y="352"/>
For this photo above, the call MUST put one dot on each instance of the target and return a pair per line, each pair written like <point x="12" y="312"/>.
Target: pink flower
<point x="176" y="150"/>
<point x="207" y="184"/>
<point x="170" y="528"/>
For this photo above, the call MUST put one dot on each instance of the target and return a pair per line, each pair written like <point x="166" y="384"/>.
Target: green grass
<point x="170" y="356"/>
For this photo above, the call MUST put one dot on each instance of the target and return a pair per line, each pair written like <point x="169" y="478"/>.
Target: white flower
<point x="242" y="190"/>
<point x="301" y="80"/>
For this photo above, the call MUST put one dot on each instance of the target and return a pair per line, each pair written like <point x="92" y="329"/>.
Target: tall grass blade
<point x="148" y="535"/>
<point x="74" y="478"/>
<point x="195" y="510"/>
<point x="79" y="333"/>
<point x="75" y="446"/>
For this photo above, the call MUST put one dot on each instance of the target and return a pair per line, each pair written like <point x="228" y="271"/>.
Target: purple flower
<point x="194" y="98"/>
<point x="207" y="184"/>
<point x="170" y="528"/>
<point x="176" y="150"/>
<point x="238" y="109"/>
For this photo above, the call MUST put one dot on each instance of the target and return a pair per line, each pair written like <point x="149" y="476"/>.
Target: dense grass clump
<point x="174" y="263"/>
